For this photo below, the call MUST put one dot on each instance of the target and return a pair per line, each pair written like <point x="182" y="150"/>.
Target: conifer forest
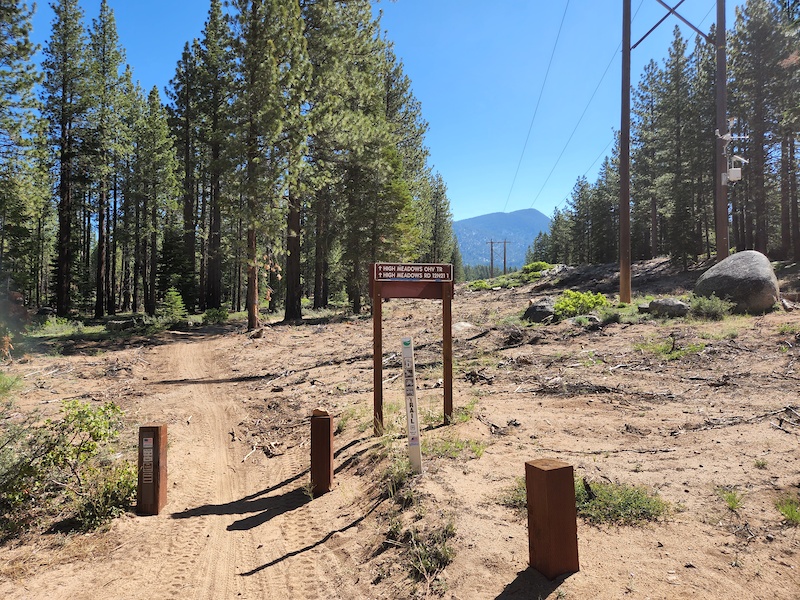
<point x="288" y="153"/>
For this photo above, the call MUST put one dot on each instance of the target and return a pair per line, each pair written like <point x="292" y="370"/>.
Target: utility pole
<point x="625" y="161"/>
<point x="721" y="187"/>
<point x="491" y="256"/>
<point x="721" y="164"/>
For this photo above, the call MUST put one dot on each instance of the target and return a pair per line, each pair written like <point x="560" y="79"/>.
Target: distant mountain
<point x="518" y="228"/>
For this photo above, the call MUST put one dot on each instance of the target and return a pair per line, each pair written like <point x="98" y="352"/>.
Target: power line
<point x="586" y="172"/>
<point x="583" y="114"/>
<point x="536" y="110"/>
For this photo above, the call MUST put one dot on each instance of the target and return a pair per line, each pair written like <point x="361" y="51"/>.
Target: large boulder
<point x="668" y="307"/>
<point x="540" y="310"/>
<point x="745" y="278"/>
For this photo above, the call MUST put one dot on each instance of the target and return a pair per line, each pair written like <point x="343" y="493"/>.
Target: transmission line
<point x="583" y="114"/>
<point x="536" y="110"/>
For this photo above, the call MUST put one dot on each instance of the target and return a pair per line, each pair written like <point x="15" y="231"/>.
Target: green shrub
<point x="731" y="496"/>
<point x="479" y="285"/>
<point x="536" y="267"/>
<point x="108" y="493"/>
<point x="57" y="469"/>
<point x="618" y="504"/>
<point x="215" y="316"/>
<point x="7" y="384"/>
<point x="710" y="307"/>
<point x="571" y="304"/>
<point x="172" y="309"/>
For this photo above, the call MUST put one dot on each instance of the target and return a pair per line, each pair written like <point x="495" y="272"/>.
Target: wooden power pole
<point x="721" y="162"/>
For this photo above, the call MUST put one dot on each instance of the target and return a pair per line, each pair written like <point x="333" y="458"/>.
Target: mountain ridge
<point x="518" y="228"/>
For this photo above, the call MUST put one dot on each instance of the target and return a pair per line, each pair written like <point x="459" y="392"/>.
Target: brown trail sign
<point x="411" y="280"/>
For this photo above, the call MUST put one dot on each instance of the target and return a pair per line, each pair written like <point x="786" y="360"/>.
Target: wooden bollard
<point x="321" y="452"/>
<point x="552" y="518"/>
<point x="151" y="490"/>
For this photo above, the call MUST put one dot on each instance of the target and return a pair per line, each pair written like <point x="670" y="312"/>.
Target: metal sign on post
<point x="151" y="491"/>
<point x="411" y="280"/>
<point x="412" y="412"/>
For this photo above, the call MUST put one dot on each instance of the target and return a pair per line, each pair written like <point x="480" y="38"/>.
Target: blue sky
<point x="479" y="70"/>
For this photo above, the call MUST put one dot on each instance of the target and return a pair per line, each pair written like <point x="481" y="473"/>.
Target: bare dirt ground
<point x="239" y="524"/>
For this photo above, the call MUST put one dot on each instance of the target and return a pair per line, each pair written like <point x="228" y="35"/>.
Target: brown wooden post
<point x="552" y="518"/>
<point x="377" y="356"/>
<point x="151" y="491"/>
<point x="447" y="349"/>
<point x="321" y="453"/>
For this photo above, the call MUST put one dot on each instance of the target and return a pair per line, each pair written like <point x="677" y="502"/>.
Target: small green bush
<point x="536" y="267"/>
<point x="479" y="285"/>
<point x="215" y="316"/>
<point x="617" y="504"/>
<point x="108" y="493"/>
<point x="571" y="304"/>
<point x="710" y="307"/>
<point x="58" y="470"/>
<point x="731" y="496"/>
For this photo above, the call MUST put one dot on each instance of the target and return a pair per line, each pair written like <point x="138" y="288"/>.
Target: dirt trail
<point x="231" y="528"/>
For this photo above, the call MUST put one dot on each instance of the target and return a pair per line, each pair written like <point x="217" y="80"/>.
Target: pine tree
<point x="65" y="105"/>
<point x="184" y="111"/>
<point x="646" y="215"/>
<point x="755" y="56"/>
<point x="266" y="45"/>
<point x="105" y="60"/>
<point x="155" y="186"/>
<point x="439" y="222"/>
<point x="672" y="157"/>
<point x="23" y="185"/>
<point x="215" y="79"/>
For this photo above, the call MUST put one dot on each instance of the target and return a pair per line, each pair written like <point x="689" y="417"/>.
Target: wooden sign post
<point x="151" y="491"/>
<point x="411" y="280"/>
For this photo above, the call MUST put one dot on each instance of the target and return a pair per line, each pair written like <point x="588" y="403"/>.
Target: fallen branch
<point x="249" y="453"/>
<point x="776" y="426"/>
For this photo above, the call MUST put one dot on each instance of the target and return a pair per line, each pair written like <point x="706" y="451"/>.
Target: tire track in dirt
<point x="231" y="528"/>
<point x="246" y="530"/>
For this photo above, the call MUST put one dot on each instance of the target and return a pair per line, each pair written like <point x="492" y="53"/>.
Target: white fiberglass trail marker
<point x="412" y="414"/>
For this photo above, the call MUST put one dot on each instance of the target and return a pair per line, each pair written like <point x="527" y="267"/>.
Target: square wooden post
<point x="151" y="491"/>
<point x="321" y="453"/>
<point x="552" y="517"/>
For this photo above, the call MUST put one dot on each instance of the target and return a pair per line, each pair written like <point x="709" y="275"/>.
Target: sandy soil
<point x="239" y="523"/>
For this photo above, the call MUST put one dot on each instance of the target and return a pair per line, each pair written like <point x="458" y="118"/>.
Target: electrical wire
<point x="583" y="114"/>
<point x="586" y="172"/>
<point x="536" y="110"/>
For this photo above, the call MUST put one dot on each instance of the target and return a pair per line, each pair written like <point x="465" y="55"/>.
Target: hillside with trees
<point x="287" y="154"/>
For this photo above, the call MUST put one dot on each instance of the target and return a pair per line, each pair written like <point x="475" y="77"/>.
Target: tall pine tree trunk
<point x="793" y="200"/>
<point x="252" y="279"/>
<point x="111" y="269"/>
<point x="293" y="290"/>
<point x="153" y="270"/>
<point x="100" y="296"/>
<point x="64" y="261"/>
<point x="786" y="229"/>
<point x="214" y="282"/>
<point x="320" y="252"/>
